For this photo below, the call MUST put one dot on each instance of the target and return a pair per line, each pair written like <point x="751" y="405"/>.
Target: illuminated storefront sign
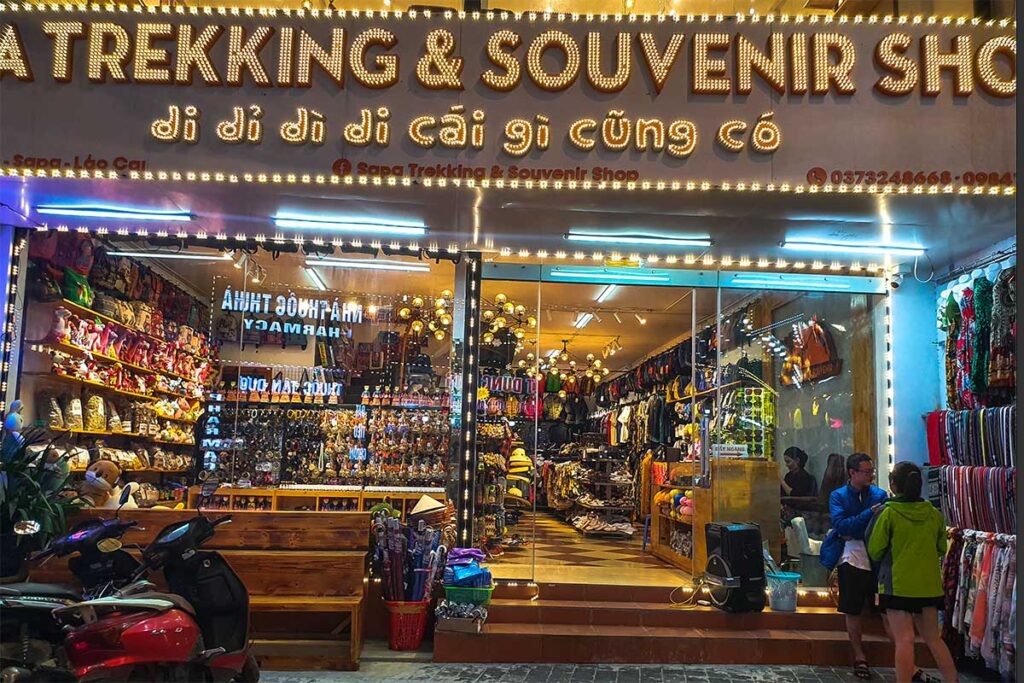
<point x="288" y="314"/>
<point x="570" y="100"/>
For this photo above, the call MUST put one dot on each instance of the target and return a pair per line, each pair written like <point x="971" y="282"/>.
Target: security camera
<point x="896" y="280"/>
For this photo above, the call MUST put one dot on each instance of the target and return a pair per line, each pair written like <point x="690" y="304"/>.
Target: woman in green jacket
<point x="908" y="540"/>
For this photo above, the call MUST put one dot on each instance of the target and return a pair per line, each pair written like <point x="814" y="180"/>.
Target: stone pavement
<point x="394" y="672"/>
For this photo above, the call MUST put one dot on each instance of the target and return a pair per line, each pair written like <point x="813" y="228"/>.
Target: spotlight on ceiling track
<point x="640" y="319"/>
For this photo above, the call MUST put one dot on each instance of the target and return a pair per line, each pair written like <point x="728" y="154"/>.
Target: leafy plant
<point x="33" y="489"/>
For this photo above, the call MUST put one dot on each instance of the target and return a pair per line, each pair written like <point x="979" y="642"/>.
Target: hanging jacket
<point x="908" y="538"/>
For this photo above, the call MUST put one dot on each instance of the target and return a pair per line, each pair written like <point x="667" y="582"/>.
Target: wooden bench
<point x="304" y="572"/>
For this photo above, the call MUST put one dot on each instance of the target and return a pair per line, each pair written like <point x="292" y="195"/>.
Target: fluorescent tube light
<point x="113" y="211"/>
<point x="601" y="275"/>
<point x="369" y="264"/>
<point x="173" y="255"/>
<point x="855" y="248"/>
<point x="583" y="320"/>
<point x="288" y="220"/>
<point x="788" y="283"/>
<point x="318" y="281"/>
<point x="636" y="238"/>
<point x="606" y="293"/>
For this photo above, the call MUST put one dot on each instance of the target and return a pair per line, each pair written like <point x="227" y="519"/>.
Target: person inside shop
<point x="908" y="538"/>
<point x="851" y="508"/>
<point x="797" y="482"/>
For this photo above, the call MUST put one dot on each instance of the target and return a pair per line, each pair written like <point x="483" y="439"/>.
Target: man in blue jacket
<point x="851" y="508"/>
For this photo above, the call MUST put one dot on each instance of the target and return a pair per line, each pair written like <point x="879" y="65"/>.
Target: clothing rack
<point x="982" y="262"/>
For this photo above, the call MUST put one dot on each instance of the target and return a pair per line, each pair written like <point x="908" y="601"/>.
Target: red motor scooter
<point x="197" y="632"/>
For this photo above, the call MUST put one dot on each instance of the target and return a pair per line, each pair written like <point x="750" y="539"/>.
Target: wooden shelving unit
<point x="296" y="498"/>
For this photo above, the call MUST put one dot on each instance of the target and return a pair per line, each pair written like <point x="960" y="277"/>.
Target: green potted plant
<point x="33" y="497"/>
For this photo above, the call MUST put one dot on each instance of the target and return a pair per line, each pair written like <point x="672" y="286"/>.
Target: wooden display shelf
<point x="89" y="383"/>
<point x="131" y="435"/>
<point x="744" y="489"/>
<point x="79" y="351"/>
<point x="182" y="420"/>
<point x="90" y="313"/>
<point x="286" y="499"/>
<point x="144" y="470"/>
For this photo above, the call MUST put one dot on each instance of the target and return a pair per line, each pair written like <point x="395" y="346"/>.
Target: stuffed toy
<point x="59" y="331"/>
<point x="115" y="498"/>
<point x="13" y="423"/>
<point x="98" y="486"/>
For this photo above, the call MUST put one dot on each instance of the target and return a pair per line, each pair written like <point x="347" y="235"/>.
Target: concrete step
<point x="660" y="614"/>
<point x="579" y="644"/>
<point x="815" y="597"/>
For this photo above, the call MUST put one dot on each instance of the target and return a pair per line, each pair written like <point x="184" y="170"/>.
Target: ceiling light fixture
<point x="636" y="238"/>
<point x="566" y="274"/>
<point x="640" y="319"/>
<point x="606" y="293"/>
<point x="369" y="264"/>
<point x="318" y="281"/>
<point x="766" y="280"/>
<point x="583" y="320"/>
<point x="617" y="318"/>
<point x="855" y="248"/>
<point x="172" y="255"/>
<point x="289" y="220"/>
<point x="114" y="212"/>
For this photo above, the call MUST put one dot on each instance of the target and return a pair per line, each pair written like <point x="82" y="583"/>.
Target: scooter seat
<point x="90" y="610"/>
<point x="41" y="590"/>
<point x="178" y="601"/>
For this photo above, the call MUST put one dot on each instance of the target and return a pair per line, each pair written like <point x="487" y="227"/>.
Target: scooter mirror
<point x="126" y="495"/>
<point x="27" y="527"/>
<point x="209" y="488"/>
<point x="109" y="545"/>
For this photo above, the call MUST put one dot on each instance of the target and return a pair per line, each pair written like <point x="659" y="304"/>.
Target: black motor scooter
<point x="31" y="638"/>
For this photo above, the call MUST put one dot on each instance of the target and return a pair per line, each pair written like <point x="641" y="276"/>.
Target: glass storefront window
<point x="304" y="380"/>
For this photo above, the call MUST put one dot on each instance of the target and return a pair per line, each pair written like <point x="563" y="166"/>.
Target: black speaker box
<point x="739" y="545"/>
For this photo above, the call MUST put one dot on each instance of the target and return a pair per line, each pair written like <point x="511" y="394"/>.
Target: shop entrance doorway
<point x="581" y="382"/>
<point x="622" y="409"/>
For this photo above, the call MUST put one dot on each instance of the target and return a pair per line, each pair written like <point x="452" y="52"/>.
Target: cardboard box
<point x="461" y="625"/>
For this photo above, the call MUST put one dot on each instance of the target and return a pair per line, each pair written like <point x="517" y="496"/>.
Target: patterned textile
<point x="1002" y="362"/>
<point x="981" y="338"/>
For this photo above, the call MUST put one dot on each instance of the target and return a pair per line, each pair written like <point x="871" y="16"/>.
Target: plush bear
<point x="100" y="479"/>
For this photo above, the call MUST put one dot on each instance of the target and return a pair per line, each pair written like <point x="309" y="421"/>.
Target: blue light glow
<point x="606" y="276"/>
<point x="854" y="247"/>
<point x="337" y="223"/>
<point x="643" y="238"/>
<point x="132" y="213"/>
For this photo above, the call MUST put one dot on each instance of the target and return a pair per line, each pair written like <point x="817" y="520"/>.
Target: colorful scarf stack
<point x="973" y="437"/>
<point x="982" y="498"/>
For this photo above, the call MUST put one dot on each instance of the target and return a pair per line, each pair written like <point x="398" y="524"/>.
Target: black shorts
<point x="856" y="589"/>
<point x="912" y="605"/>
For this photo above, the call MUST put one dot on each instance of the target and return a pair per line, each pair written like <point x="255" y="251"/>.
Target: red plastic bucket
<point x="407" y="622"/>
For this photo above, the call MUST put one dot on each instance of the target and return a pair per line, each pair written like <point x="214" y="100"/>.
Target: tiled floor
<point x="558" y="553"/>
<point x="393" y="672"/>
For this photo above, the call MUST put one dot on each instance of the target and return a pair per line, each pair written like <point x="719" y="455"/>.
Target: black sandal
<point x="861" y="670"/>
